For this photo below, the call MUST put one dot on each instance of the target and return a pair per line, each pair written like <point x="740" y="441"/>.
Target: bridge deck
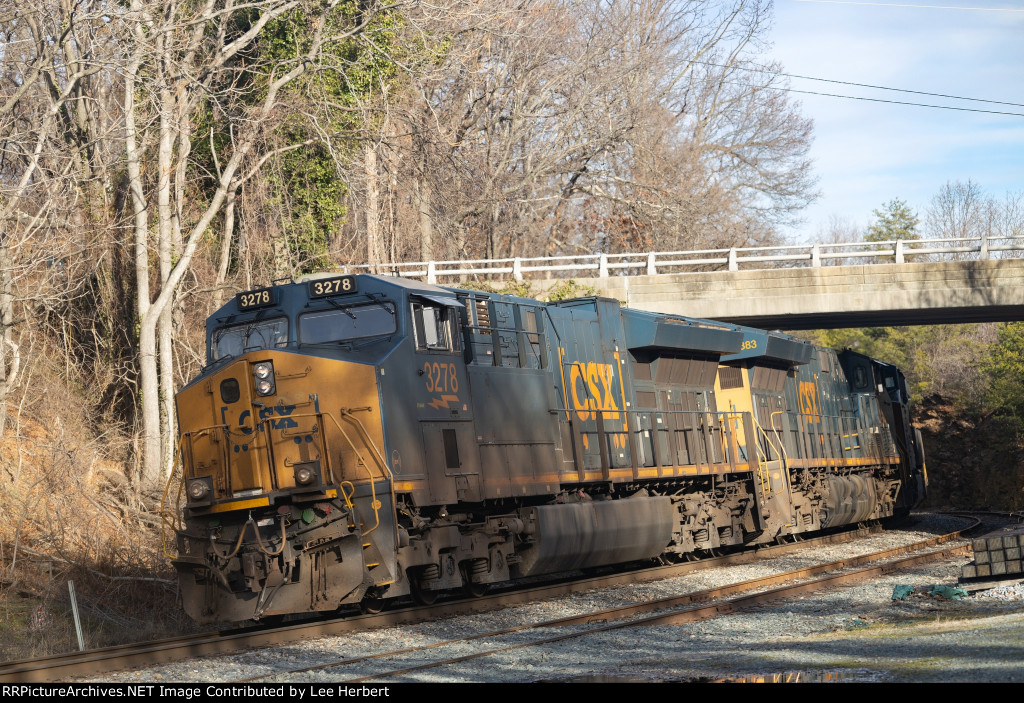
<point x="843" y="296"/>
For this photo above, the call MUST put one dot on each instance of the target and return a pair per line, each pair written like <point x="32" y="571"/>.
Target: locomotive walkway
<point x="810" y="286"/>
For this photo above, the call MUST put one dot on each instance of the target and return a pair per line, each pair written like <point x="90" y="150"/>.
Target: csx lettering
<point x="283" y="410"/>
<point x="441" y="378"/>
<point x="809" y="398"/>
<point x="592" y="390"/>
<point x="748" y="344"/>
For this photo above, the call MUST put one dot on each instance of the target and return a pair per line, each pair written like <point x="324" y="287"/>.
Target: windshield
<point x="238" y="339"/>
<point x="346" y="323"/>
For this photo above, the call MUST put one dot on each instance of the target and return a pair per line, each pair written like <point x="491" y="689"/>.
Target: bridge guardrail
<point x="735" y="259"/>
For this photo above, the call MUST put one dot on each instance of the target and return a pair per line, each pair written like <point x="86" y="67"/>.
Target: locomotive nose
<point x="273" y="435"/>
<point x="225" y="455"/>
<point x="264" y="441"/>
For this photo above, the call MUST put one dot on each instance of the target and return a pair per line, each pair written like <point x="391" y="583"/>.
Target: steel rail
<point x="124" y="657"/>
<point x="693" y="614"/>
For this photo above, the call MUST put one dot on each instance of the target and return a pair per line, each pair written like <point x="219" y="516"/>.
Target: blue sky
<point x="867" y="153"/>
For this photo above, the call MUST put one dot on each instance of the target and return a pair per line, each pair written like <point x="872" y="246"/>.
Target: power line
<point x="875" y="87"/>
<point x="900" y="102"/>
<point x="902" y="90"/>
<point x="922" y="7"/>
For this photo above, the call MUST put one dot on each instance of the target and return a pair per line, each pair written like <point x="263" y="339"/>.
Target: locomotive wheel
<point x="422" y="596"/>
<point x="475" y="589"/>
<point x="371" y="605"/>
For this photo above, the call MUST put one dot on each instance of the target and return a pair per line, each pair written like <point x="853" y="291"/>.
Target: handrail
<point x="780" y="451"/>
<point x="174" y="521"/>
<point x="779" y="438"/>
<point x="377" y="458"/>
<point x="763" y="456"/>
<point x="728" y="418"/>
<point x="813" y="255"/>
<point x="707" y="429"/>
<point x="386" y="473"/>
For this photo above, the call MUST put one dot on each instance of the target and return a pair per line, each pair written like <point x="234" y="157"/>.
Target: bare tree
<point x="1008" y="216"/>
<point x="53" y="169"/>
<point x="959" y="211"/>
<point x="962" y="210"/>
<point x="570" y="125"/>
<point x="839" y="230"/>
<point x="170" y="65"/>
<point x="194" y="55"/>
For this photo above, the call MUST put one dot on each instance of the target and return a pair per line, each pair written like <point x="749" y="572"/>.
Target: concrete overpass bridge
<point x="795" y="287"/>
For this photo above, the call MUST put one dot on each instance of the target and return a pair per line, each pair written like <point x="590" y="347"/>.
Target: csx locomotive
<point x="358" y="438"/>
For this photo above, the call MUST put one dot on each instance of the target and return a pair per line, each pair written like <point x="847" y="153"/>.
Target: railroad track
<point x="689" y="607"/>
<point x="111" y="659"/>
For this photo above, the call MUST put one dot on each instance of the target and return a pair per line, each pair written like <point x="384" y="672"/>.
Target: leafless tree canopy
<point x="577" y="126"/>
<point x="963" y="210"/>
<point x="158" y="155"/>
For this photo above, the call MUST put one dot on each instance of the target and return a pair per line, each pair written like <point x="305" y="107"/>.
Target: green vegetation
<point x="1004" y="368"/>
<point x="895" y="220"/>
<point x="965" y="384"/>
<point x="569" y="289"/>
<point x="944" y="360"/>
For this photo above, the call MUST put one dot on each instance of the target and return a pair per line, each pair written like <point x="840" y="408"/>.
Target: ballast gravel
<point x="852" y="634"/>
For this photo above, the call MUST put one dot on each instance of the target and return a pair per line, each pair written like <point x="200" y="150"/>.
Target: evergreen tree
<point x="1005" y="367"/>
<point x="894" y="220"/>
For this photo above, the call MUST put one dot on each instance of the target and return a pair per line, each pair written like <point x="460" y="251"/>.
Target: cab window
<point x="860" y="378"/>
<point x="433" y="327"/>
<point x="251" y="336"/>
<point x="352" y="322"/>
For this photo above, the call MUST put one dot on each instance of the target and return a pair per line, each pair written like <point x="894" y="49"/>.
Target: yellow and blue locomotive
<point x="355" y="438"/>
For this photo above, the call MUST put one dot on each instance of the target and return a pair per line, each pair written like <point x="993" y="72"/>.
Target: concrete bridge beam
<point x="945" y="292"/>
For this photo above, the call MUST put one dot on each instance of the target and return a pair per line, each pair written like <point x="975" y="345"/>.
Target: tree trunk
<point x="423" y="197"/>
<point x="374" y="245"/>
<point x="148" y="383"/>
<point x="165" y="345"/>
<point x="9" y="362"/>
<point x="225" y="249"/>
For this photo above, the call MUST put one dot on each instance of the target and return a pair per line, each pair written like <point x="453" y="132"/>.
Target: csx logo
<point x="268" y="414"/>
<point x="809" y="400"/>
<point x="592" y="389"/>
<point x="265" y="414"/>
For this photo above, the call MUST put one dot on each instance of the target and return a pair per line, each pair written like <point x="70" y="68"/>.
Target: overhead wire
<point x="902" y="90"/>
<point x="921" y="7"/>
<point x="902" y="102"/>
<point x="879" y="87"/>
<point x="862" y="85"/>
<point x="898" y="90"/>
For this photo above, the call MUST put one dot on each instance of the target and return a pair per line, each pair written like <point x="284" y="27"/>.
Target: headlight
<point x="200" y="488"/>
<point x="304" y="475"/>
<point x="263" y="372"/>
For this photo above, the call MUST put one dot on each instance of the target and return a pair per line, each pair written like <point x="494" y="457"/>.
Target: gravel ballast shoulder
<point x="853" y="634"/>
